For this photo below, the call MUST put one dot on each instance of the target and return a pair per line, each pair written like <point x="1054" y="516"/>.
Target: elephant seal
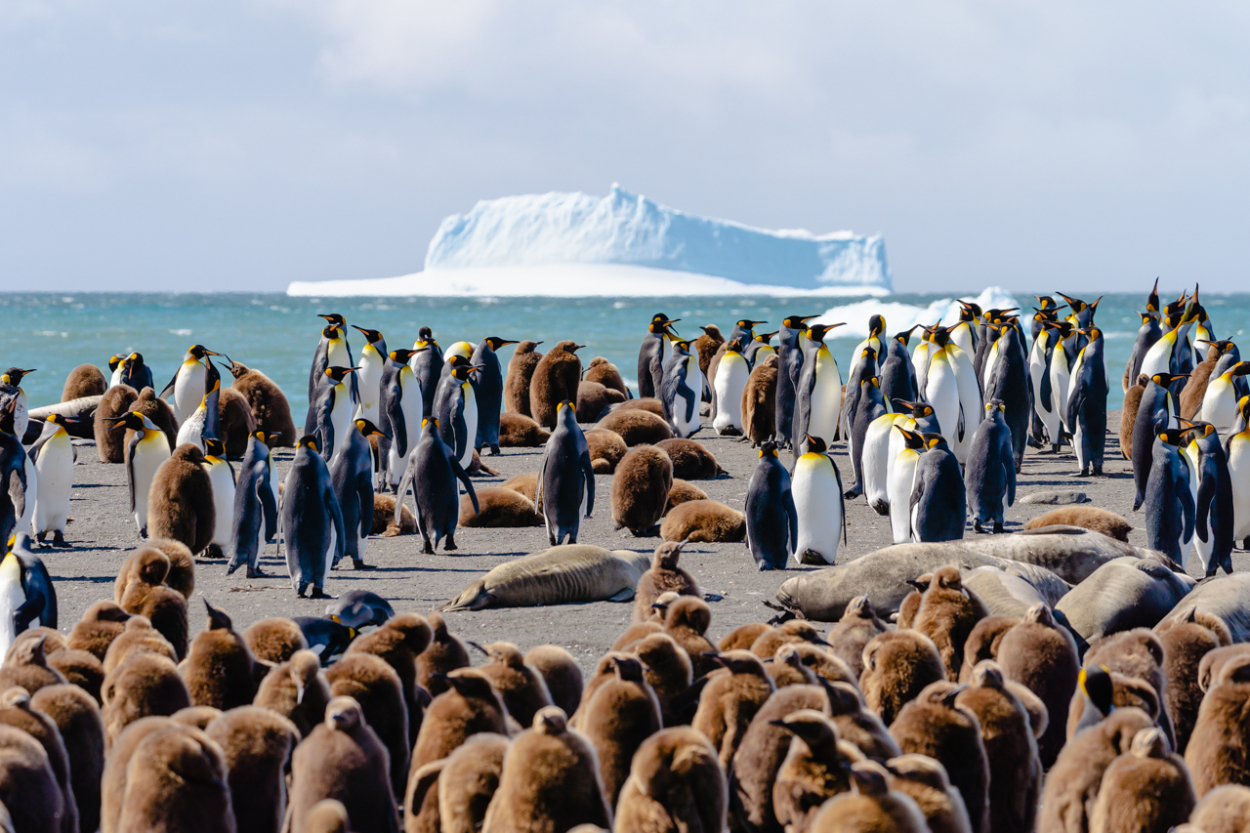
<point x="1224" y="597"/>
<point x="560" y="575"/>
<point x="1005" y="592"/>
<point x="1121" y="595"/>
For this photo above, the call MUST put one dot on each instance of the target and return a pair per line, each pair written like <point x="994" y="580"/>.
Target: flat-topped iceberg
<point x="624" y="244"/>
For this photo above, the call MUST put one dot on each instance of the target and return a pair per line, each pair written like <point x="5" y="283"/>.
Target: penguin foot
<point x="449" y="544"/>
<point x="998" y="528"/>
<point x="40" y="537"/>
<point x="1054" y="448"/>
<point x="301" y="590"/>
<point x="1227" y="564"/>
<point x="813" y="557"/>
<point x="1097" y="471"/>
<point x="318" y="593"/>
<point x="428" y="549"/>
<point x="1035" y="443"/>
<point x="256" y="572"/>
<point x="976" y="527"/>
<point x="851" y="494"/>
<point x="358" y="564"/>
<point x="58" y="539"/>
<point x="494" y="451"/>
<point x="1210" y="572"/>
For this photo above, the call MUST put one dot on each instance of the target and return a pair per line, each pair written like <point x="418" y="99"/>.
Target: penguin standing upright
<point x="863" y="367"/>
<point x="1087" y="404"/>
<point x="681" y="390"/>
<point x="1044" y="407"/>
<point x="941" y="389"/>
<point x="53" y="456"/>
<point x="875" y="461"/>
<point x="1237" y="450"/>
<point x="772" y="519"/>
<point x="898" y="376"/>
<point x="760" y="347"/>
<point x="566" y="478"/>
<point x="875" y="341"/>
<point x="818" y="504"/>
<point x="27" y="597"/>
<point x="1009" y="384"/>
<point x="731" y="380"/>
<point x="332" y="350"/>
<point x="990" y="477"/>
<point x="147" y="449"/>
<point x="310" y="520"/>
<point x="1061" y="358"/>
<point x="426" y="362"/>
<point x="1169" y="500"/>
<point x="869" y="405"/>
<point x="920" y="356"/>
<point x="790" y="349"/>
<point x="12" y="378"/>
<point x="13" y="481"/>
<point x="205" y="420"/>
<point x="221" y="476"/>
<point x="188" y="384"/>
<point x="1037" y="428"/>
<point x="1156" y="411"/>
<point x="1147" y="336"/>
<point x="455" y="409"/>
<point x="964" y="331"/>
<point x="489" y="391"/>
<point x="818" y="394"/>
<point x="1219" y="403"/>
<point x="351" y="472"/>
<point x="1214" y="515"/>
<point x="117" y="366"/>
<point x="744" y="332"/>
<point x="402" y="409"/>
<point x="136" y="373"/>
<point x="369" y="377"/>
<point x="652" y="354"/>
<point x="431" y="475"/>
<point x="255" y="516"/>
<point x="333" y="409"/>
<point x="938" y="503"/>
<point x="1047" y="309"/>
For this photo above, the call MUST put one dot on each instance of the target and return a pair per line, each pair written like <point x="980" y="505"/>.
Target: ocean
<point x="277" y="334"/>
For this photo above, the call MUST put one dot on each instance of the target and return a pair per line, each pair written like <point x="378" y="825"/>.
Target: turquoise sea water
<point x="278" y="334"/>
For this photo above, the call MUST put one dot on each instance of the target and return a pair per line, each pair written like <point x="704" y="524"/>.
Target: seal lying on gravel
<point x="560" y="575"/>
<point x="1123" y="594"/>
<point x="1227" y="597"/>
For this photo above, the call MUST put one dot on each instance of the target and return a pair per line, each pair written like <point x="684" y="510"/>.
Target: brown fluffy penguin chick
<point x="343" y="759"/>
<point x="605" y="670"/>
<point x="469" y="705"/>
<point x="176" y="780"/>
<point x="165" y="608"/>
<point x="519" y="431"/>
<point x="257" y="744"/>
<point x="1072" y="783"/>
<point x="516" y="388"/>
<point x="28" y="786"/>
<point x="554" y="380"/>
<point x="816" y="768"/>
<point x="84" y="380"/>
<point x="622" y="714"/>
<point x="607" y="374"/>
<point x="181" y="575"/>
<point x="760" y="754"/>
<point x="469" y="779"/>
<point x="1135" y="653"/>
<point x="668" y="671"/>
<point x="178" y="575"/>
<point x="146" y="685"/>
<point x="275" y="639"/>
<point x="137" y="637"/>
<point x="1009" y="746"/>
<point x="28" y="667"/>
<point x="220" y="669"/>
<point x="111" y="445"/>
<point x="924" y="779"/>
<point x="858" y="625"/>
<point x="824" y="664"/>
<point x="1041" y="655"/>
<point x="982" y="643"/>
<point x="77" y="719"/>
<point x="159" y="411"/>
<point x="857" y="724"/>
<point x="607" y="449"/>
<point x="787" y="668"/>
<point x="1214" y="661"/>
<point x="550" y="781"/>
<point x="788" y="633"/>
<point x="743" y="637"/>
<point x="81" y="669"/>
<point x="683" y="491"/>
<point x="729" y="701"/>
<point x="298" y="690"/>
<point x="640" y="489"/>
<point x="663" y="577"/>
<point x="421" y="810"/>
<point x="53" y="642"/>
<point x="948" y="613"/>
<point x="675" y="786"/>
<point x="870" y="807"/>
<point x="560" y="672"/>
<point x="1185" y="642"/>
<point x="17" y="711"/>
<point x="897" y="667"/>
<point x="910" y="605"/>
<point x="653" y="624"/>
<point x="1215" y="754"/>
<point x="270" y="409"/>
<point x="445" y="653"/>
<point x="1128" y="415"/>
<point x="180" y="505"/>
<point x="376" y="688"/>
<point x="687" y="621"/>
<point x="1086" y="517"/>
<point x="934" y="724"/>
<point x="384" y="518"/>
<point x="327" y="816"/>
<point x="523" y="689"/>
<point x="691" y="459"/>
<point x="197" y="716"/>
<point x="759" y="402"/>
<point x="1146" y="790"/>
<point x="113" y="785"/>
<point x="1226" y="809"/>
<point x="103" y="622"/>
<point x="399" y="642"/>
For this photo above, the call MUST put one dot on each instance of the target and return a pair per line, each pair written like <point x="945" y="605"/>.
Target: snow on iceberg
<point x="625" y="228"/>
<point x="899" y="317"/>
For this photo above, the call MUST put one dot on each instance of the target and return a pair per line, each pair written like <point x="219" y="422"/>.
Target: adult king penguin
<point x="53" y="456"/>
<point x="1009" y="384"/>
<point x="869" y="406"/>
<point x="310" y="520"/>
<point x="489" y="392"/>
<point x="682" y="390"/>
<point x="147" y="449"/>
<point x="221" y="476"/>
<point x="898" y="376"/>
<point x="431" y="474"/>
<point x="818" y="504"/>
<point x="951" y="388"/>
<point x="652" y="354"/>
<point x="1063" y="354"/>
<point x="790" y="349"/>
<point x="426" y="362"/>
<point x="13" y="480"/>
<point x="205" y="420"/>
<point x="1156" y="411"/>
<point x="369" y="377"/>
<point x="351" y="471"/>
<point x="334" y="409"/>
<point x="1148" y="334"/>
<point x="1087" y="404"/>
<point x="332" y="350"/>
<point x="136" y="373"/>
<point x="1044" y="406"/>
<point x="876" y="341"/>
<point x="1238" y="452"/>
<point x="12" y="379"/>
<point x="938" y="504"/>
<point x="760" y="347"/>
<point x="990" y="477"/>
<point x="566" y="478"/>
<point x="455" y="409"/>
<point x="818" y="394"/>
<point x="27" y="597"/>
<point x="1219" y="403"/>
<point x="863" y="367"/>
<point x="875" y="461"/>
<point x="255" y="516"/>
<point x="189" y="383"/>
<point x="772" y="519"/>
<point x="731" y="380"/>
<point x="1213" y="513"/>
<point x="403" y="408"/>
<point x="1170" y="497"/>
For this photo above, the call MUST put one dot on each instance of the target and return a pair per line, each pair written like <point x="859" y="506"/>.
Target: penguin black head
<point x="1240" y="369"/>
<point x="939" y="336"/>
<point x="1096" y="684"/>
<point x="1076" y="304"/>
<point x="401" y="356"/>
<point x="366" y="428"/>
<point x="337" y="321"/>
<point x="135" y="359"/>
<point x="661" y="324"/>
<point x="905" y="336"/>
<point x="13" y="376"/>
<point x="218" y="620"/>
<point x="460" y="367"/>
<point x="495" y="342"/>
<point x="995" y="405"/>
<point x="425" y="334"/>
<point x="817" y="332"/>
<point x="876" y="325"/>
<point x="768" y="448"/>
<point x="430" y="423"/>
<point x="1196" y="427"/>
<point x="1092" y="333"/>
<point x="868" y="353"/>
<point x="373" y="336"/>
<point x="1152" y="301"/>
<point x="875" y="381"/>
<point x="338" y="374"/>
<point x="748" y="324"/>
<point x="966" y="311"/>
<point x="127" y="420"/>
<point x="796" y="322"/>
<point x="764" y="338"/>
<point x="567" y="410"/>
<point x="259" y="435"/>
<point x="914" y="440"/>
<point x="815" y="445"/>
<point x="214" y="448"/>
<point x="115" y="361"/>
<point x="1172" y="436"/>
<point x="682" y="345"/>
<point x="932" y="441"/>
<point x="1165" y="379"/>
<point x="733" y="347"/>
<point x="307" y="441"/>
<point x="1147" y="317"/>
<point x="199" y="351"/>
<point x="1047" y="302"/>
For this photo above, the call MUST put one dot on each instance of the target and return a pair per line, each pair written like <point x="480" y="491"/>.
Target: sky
<point x="242" y="144"/>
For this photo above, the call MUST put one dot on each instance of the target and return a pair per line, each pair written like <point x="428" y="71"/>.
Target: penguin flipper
<point x="792" y="519"/>
<point x="1009" y="466"/>
<point x="170" y="387"/>
<point x="395" y="416"/>
<point x="917" y="493"/>
<point x="588" y="470"/>
<point x="463" y="477"/>
<point x="1206" y="494"/>
<point x="401" y="494"/>
<point x="364" y="491"/>
<point x="130" y="467"/>
<point x="336" y="519"/>
<point x="1187" y="506"/>
<point x="538" y="489"/>
<point x="837" y="475"/>
<point x="28" y="612"/>
<point x="268" y="506"/>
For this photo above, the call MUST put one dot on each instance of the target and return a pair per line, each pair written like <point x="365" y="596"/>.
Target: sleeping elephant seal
<point x="1121" y="595"/>
<point x="561" y="575"/>
<point x="1005" y="592"/>
<point x="1226" y="597"/>
<point x="1070" y="552"/>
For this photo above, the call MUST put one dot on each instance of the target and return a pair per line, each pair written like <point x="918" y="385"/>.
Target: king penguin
<point x="876" y="341"/>
<point x="818" y="394"/>
<point x="1238" y="452"/>
<point x="426" y="362"/>
<point x="332" y="350"/>
<point x="334" y="409"/>
<point x="964" y="332"/>
<point x="1061" y="358"/>
<point x="13" y="480"/>
<point x="1087" y="404"/>
<point x="990" y="477"/>
<point x="27" y="597"/>
<point x="136" y="373"/>
<point x="790" y="349"/>
<point x="403" y="408"/>
<point x="1044" y="405"/>
<point x="1213" y="513"/>
<point x="188" y="385"/>
<point x="1169" y="500"/>
<point x="1219" y="403"/>
<point x="760" y="348"/>
<point x="682" y="390"/>
<point x="942" y="391"/>
<point x="875" y="461"/>
<point x="938" y="504"/>
<point x="869" y="406"/>
<point x="351" y="472"/>
<point x="818" y="504"/>
<point x="431" y="475"/>
<point x="1156" y="411"/>
<point x="772" y="519"/>
<point x="205" y="420"/>
<point x="221" y="476"/>
<point x="53" y="455"/>
<point x="1148" y="334"/>
<point x="255" y="516"/>
<point x="566" y="478"/>
<point x="489" y="391"/>
<point x="898" y="376"/>
<point x="863" y="367"/>
<point x="731" y="380"/>
<point x="652" y="354"/>
<point x="147" y="450"/>
<point x="21" y="416"/>
<point x="310" y="520"/>
<point x="369" y="377"/>
<point x="1009" y="384"/>
<point x="455" y="409"/>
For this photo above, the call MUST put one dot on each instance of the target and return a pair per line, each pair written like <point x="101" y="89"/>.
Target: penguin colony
<point x="949" y="715"/>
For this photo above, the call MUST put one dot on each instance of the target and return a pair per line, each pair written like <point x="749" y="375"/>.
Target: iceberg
<point x="624" y="244"/>
<point x="899" y="317"/>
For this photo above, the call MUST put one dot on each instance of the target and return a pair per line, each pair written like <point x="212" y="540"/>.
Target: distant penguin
<point x="566" y="479"/>
<point x="818" y="392"/>
<point x="875" y="461"/>
<point x="1156" y="411"/>
<point x="489" y="378"/>
<point x="11" y="385"/>
<point x="707" y="346"/>
<point x="875" y="341"/>
<point x="330" y="415"/>
<point x="772" y="517"/>
<point x="863" y="367"/>
<point x="53" y="456"/>
<point x="947" y="615"/>
<point x="1087" y="404"/>
<point x="653" y="353"/>
<point x="111" y="445"/>
<point x="681" y="390"/>
<point x="188" y="385"/>
<point x="431" y="474"/>
<point x="951" y="387"/>
<point x="255" y="513"/>
<point x="732" y="375"/>
<point x="310" y="520"/>
<point x="990" y="476"/>
<point x="180" y="501"/>
<point x="351" y="472"/>
<point x="820" y="508"/>
<point x="898" y="376"/>
<point x="27" y="596"/>
<point x="369" y="377"/>
<point x="555" y="380"/>
<point x="1214" y="513"/>
<point x="147" y="450"/>
<point x="900" y="479"/>
<point x="760" y="347"/>
<point x="401" y="409"/>
<point x="1169" y="498"/>
<point x="938" y="502"/>
<point x="516" y="389"/>
<point x="1238" y="451"/>
<point x="84" y="380"/>
<point x="332" y="350"/>
<point x="1009" y="383"/>
<point x="1045" y="410"/>
<point x="1128" y="415"/>
<point x="1041" y="655"/>
<point x="790" y="348"/>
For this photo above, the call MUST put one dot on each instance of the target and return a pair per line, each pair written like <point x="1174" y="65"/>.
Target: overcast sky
<point x="242" y="144"/>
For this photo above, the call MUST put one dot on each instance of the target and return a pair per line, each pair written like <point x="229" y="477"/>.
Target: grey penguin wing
<point x="268" y="506"/>
<point x="364" y="490"/>
<point x="336" y="518"/>
<point x="1206" y="494"/>
<point x="169" y="388"/>
<point x="395" y="415"/>
<point x="1009" y="464"/>
<point x="837" y="475"/>
<point x="589" y="471"/>
<point x="792" y="516"/>
<point x="130" y="467"/>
